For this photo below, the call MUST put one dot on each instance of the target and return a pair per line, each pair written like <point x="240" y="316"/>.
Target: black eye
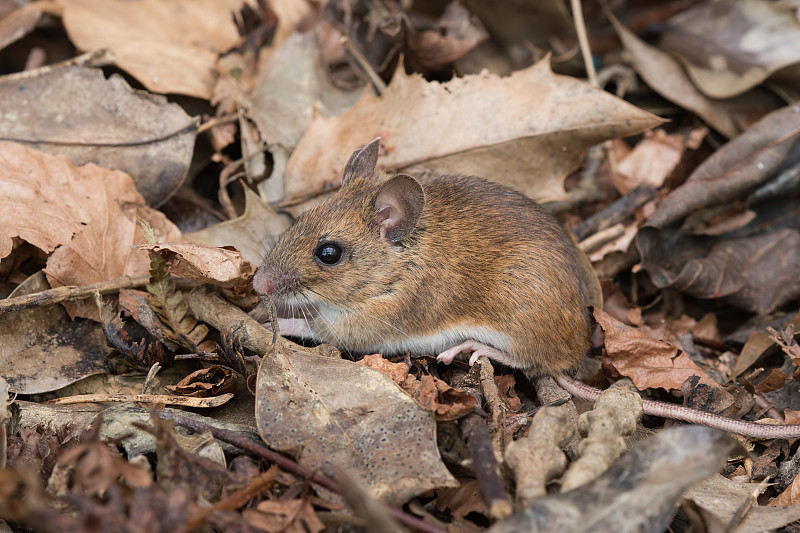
<point x="328" y="253"/>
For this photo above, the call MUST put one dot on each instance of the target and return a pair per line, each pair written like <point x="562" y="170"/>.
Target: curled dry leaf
<point x="154" y="139"/>
<point x="170" y="47"/>
<point x="665" y="75"/>
<point x="637" y="493"/>
<point x="204" y="264"/>
<point x="20" y="22"/>
<point x="737" y="167"/>
<point x="86" y="214"/>
<point x="650" y="363"/>
<point x="335" y="413"/>
<point x="757" y="274"/>
<point x="730" y="46"/>
<point x="206" y="382"/>
<point x="501" y="128"/>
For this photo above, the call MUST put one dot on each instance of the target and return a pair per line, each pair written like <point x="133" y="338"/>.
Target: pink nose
<point x="264" y="282"/>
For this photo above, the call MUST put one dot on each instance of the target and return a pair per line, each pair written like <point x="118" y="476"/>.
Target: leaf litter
<point x="700" y="277"/>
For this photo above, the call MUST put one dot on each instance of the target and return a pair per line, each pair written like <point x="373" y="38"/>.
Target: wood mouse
<point x="444" y="265"/>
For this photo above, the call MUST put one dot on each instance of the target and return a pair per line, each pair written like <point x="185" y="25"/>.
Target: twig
<point x="377" y="82"/>
<point x="594" y="242"/>
<point x="615" y="213"/>
<point x="490" y="484"/>
<point x="69" y="293"/>
<point x="583" y="40"/>
<point x="167" y="399"/>
<point x="289" y="465"/>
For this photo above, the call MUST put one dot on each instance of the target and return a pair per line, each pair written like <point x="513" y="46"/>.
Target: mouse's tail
<point x="687" y="414"/>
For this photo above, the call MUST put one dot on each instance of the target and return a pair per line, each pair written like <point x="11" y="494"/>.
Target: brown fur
<point x="480" y="255"/>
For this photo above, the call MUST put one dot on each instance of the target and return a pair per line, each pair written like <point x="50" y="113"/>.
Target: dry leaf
<point x="527" y="130"/>
<point x="292" y="87"/>
<point x="757" y="274"/>
<point x="654" y="158"/>
<point x="78" y="105"/>
<point x="648" y="362"/>
<point x="86" y="214"/>
<point x="204" y="264"/>
<point x="284" y="516"/>
<point x="667" y="77"/>
<point x="335" y="413"/>
<point x="730" y="46"/>
<point x="36" y="341"/>
<point x="252" y="234"/>
<point x="170" y="47"/>
<point x="737" y="167"/>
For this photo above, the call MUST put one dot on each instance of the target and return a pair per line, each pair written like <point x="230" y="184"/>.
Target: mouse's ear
<point x="398" y="207"/>
<point x="362" y="163"/>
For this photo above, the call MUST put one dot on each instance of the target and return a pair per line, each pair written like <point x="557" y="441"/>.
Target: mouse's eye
<point x="328" y="253"/>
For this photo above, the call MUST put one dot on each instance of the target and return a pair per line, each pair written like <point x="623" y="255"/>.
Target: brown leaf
<point x="170" y="47"/>
<point x="666" y="76"/>
<point x="94" y="113"/>
<point x="88" y="213"/>
<point x="204" y="264"/>
<point x="731" y="46"/>
<point x="739" y="166"/>
<point x="654" y="158"/>
<point x="290" y="516"/>
<point x="485" y="125"/>
<point x="648" y="362"/>
<point x="757" y="273"/>
<point x="332" y="412"/>
<point x="20" y="22"/>
<point x="291" y="88"/>
<point x="38" y="340"/>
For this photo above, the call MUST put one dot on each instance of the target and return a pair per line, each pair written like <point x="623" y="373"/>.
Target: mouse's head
<point x="351" y="248"/>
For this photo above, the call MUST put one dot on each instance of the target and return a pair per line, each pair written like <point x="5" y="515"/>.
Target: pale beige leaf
<point x="527" y="130"/>
<point x="170" y="47"/>
<point x="252" y="234"/>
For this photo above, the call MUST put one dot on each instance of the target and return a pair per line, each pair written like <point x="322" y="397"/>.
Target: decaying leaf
<point x="35" y="341"/>
<point x="648" y="362"/>
<point x="730" y="46"/>
<point x="334" y="413"/>
<point x="109" y="123"/>
<point x="527" y="130"/>
<point x="755" y="273"/>
<point x="639" y="493"/>
<point x="739" y="166"/>
<point x="170" y="47"/>
<point x="206" y="382"/>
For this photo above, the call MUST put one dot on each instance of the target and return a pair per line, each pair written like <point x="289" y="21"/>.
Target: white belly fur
<point x="439" y="342"/>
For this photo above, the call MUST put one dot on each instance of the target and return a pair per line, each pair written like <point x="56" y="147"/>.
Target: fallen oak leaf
<point x="650" y="363"/>
<point x="222" y="267"/>
<point x="501" y="128"/>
